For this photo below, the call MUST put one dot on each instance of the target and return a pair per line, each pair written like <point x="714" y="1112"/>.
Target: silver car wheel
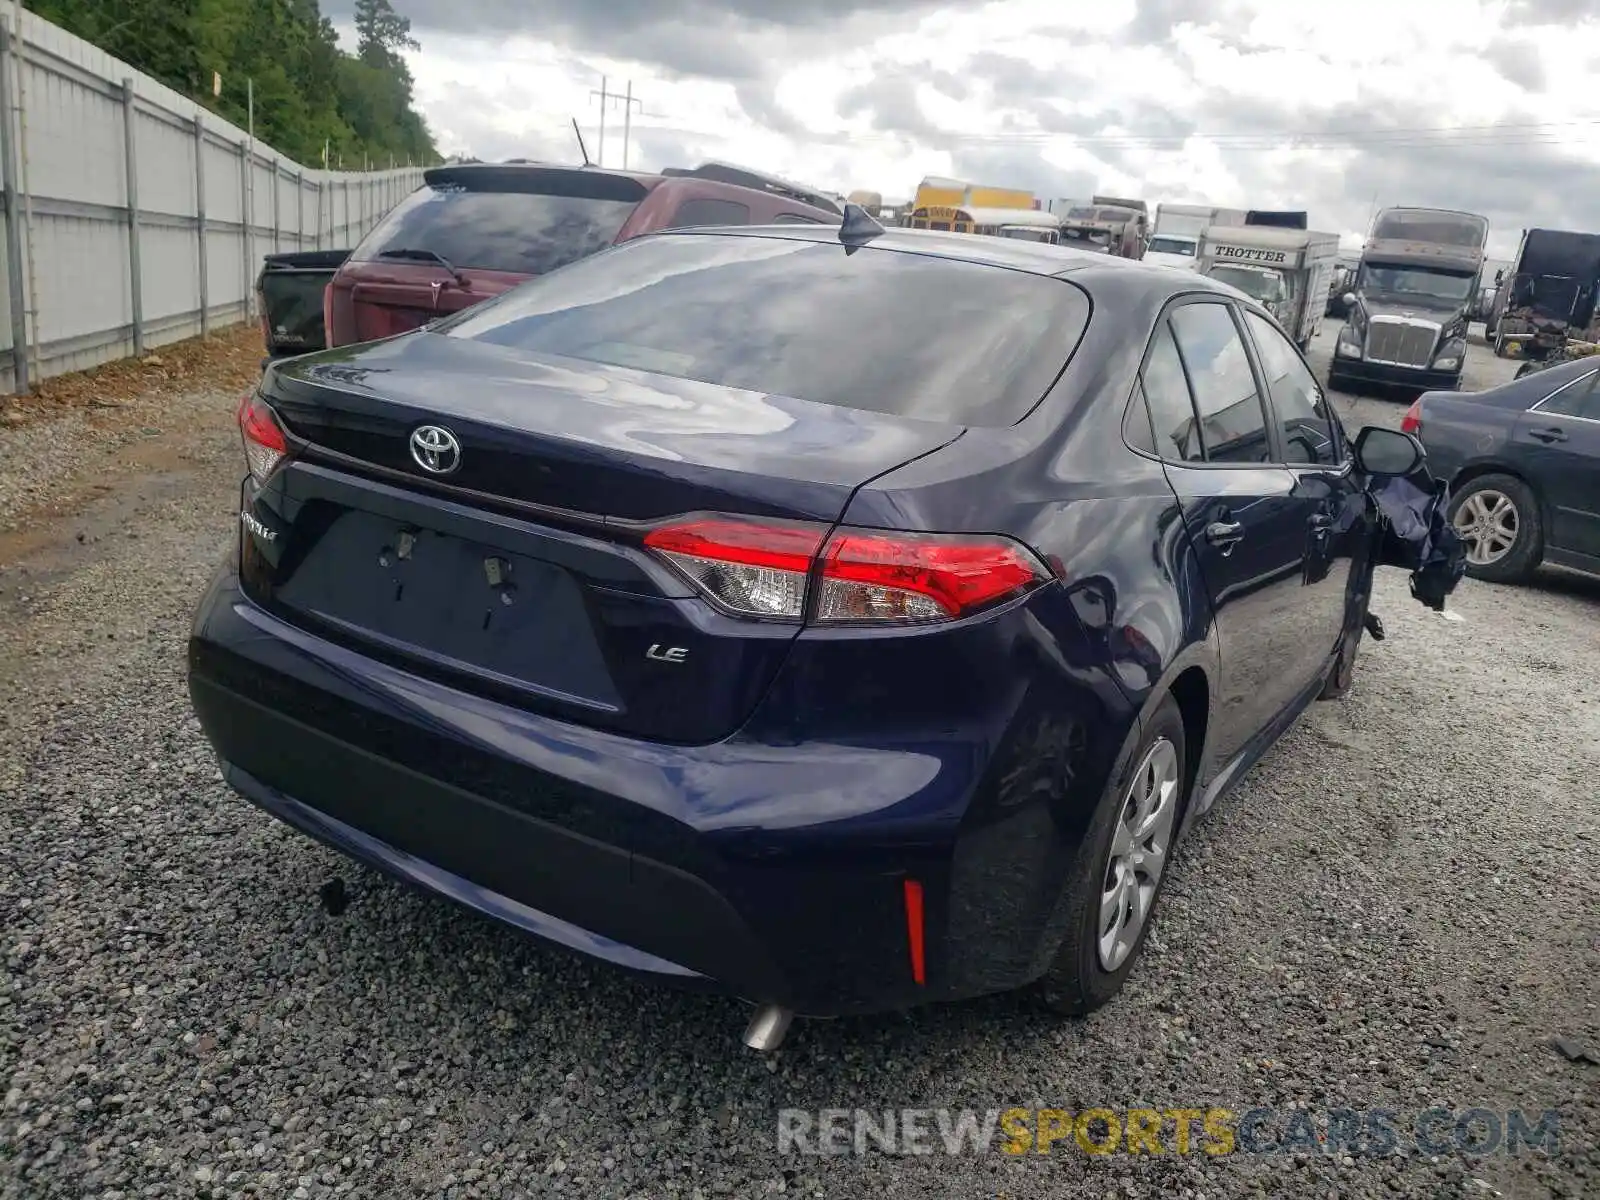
<point x="1140" y="840"/>
<point x="1488" y="523"/>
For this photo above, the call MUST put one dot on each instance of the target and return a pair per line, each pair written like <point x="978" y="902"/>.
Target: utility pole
<point x="248" y="200"/>
<point x="600" y="150"/>
<point x="627" y="121"/>
<point x="628" y="102"/>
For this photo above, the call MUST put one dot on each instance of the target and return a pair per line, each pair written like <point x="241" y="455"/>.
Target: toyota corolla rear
<point x="563" y="609"/>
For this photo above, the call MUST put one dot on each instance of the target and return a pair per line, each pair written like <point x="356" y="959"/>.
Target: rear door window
<point x="709" y="212"/>
<point x="1302" y="410"/>
<point x="1166" y="392"/>
<point x="1578" y="399"/>
<point x="520" y="220"/>
<point x="803" y="318"/>
<point x="1233" y="424"/>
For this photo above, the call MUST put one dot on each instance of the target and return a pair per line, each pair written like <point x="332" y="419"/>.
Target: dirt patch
<point x="229" y="359"/>
<point x="95" y="453"/>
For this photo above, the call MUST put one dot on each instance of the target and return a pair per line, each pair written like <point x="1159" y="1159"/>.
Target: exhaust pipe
<point x="768" y="1028"/>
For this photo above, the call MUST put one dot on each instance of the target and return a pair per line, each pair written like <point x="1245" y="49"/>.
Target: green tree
<point x="382" y="33"/>
<point x="308" y="92"/>
<point x="153" y="35"/>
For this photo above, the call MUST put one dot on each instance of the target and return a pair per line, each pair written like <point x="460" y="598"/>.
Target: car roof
<point x="1037" y="258"/>
<point x="715" y="177"/>
<point x="1539" y="385"/>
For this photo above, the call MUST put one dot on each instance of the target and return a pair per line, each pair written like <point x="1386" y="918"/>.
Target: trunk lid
<point x="290" y="290"/>
<point x="386" y="298"/>
<point x="520" y="573"/>
<point x="593" y="439"/>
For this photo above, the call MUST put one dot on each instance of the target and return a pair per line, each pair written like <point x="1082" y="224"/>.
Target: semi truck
<point x="1285" y="270"/>
<point x="1108" y="225"/>
<point x="1548" y="295"/>
<point x="1412" y="297"/>
<point x="1175" y="240"/>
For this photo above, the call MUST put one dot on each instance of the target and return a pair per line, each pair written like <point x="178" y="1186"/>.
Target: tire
<point x="1478" y="505"/>
<point x="1080" y="980"/>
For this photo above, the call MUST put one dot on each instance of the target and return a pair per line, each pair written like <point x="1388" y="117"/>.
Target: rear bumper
<point x="1383" y="374"/>
<point x="771" y="871"/>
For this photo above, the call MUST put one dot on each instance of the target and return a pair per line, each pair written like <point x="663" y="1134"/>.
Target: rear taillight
<point x="264" y="443"/>
<point x="1412" y="421"/>
<point x="327" y="316"/>
<point x="862" y="576"/>
<point x="754" y="569"/>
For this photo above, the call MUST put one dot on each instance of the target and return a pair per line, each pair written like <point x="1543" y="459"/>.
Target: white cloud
<point x="1239" y="102"/>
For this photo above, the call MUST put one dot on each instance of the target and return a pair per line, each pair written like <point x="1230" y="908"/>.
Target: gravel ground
<point x="1398" y="909"/>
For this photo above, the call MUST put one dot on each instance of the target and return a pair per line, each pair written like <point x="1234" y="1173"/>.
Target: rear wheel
<point x="1120" y="870"/>
<point x="1497" y="517"/>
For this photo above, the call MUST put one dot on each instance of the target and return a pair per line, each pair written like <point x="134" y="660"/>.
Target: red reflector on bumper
<point x="919" y="969"/>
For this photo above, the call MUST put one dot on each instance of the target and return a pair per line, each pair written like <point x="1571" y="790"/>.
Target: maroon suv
<point x="475" y="230"/>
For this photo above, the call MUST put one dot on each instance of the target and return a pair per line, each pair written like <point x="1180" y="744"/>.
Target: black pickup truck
<point x="289" y="298"/>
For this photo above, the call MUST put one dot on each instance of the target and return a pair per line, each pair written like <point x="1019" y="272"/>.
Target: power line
<point x="1264" y="145"/>
<point x="1543" y="133"/>
<point x="1421" y="131"/>
<point x="1178" y="141"/>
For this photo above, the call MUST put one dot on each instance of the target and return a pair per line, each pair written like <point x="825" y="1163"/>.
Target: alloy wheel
<point x="1488" y="524"/>
<point x="1140" y="840"/>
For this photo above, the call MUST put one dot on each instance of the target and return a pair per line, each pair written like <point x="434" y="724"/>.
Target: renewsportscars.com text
<point x="1180" y="1131"/>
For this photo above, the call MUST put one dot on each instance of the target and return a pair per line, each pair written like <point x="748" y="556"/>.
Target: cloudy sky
<point x="1487" y="105"/>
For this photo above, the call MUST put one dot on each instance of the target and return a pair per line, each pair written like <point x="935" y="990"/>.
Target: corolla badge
<point x="435" y="449"/>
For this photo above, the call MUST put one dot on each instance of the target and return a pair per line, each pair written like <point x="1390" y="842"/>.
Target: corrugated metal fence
<point x="135" y="217"/>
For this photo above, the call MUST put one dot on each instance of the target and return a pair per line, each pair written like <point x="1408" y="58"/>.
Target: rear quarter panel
<point x="1459" y="433"/>
<point x="1090" y="656"/>
<point x="1105" y="519"/>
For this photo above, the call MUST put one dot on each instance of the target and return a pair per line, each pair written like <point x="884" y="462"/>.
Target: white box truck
<point x="1176" y="240"/>
<point x="1286" y="271"/>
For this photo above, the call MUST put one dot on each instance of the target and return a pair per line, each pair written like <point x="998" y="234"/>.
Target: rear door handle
<point x="1551" y="433"/>
<point x="1224" y="533"/>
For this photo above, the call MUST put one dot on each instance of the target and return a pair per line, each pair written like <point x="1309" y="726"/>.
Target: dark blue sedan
<point x="845" y="621"/>
<point x="1523" y="461"/>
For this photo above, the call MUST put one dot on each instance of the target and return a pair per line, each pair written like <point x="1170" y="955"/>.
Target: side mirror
<point x="1348" y="299"/>
<point x="1381" y="451"/>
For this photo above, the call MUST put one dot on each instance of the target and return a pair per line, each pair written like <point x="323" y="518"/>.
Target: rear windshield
<point x="803" y="319"/>
<point x="525" y="232"/>
<point x="293" y="303"/>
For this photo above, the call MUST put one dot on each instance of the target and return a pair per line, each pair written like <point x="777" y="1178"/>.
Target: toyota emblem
<point x="435" y="449"/>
